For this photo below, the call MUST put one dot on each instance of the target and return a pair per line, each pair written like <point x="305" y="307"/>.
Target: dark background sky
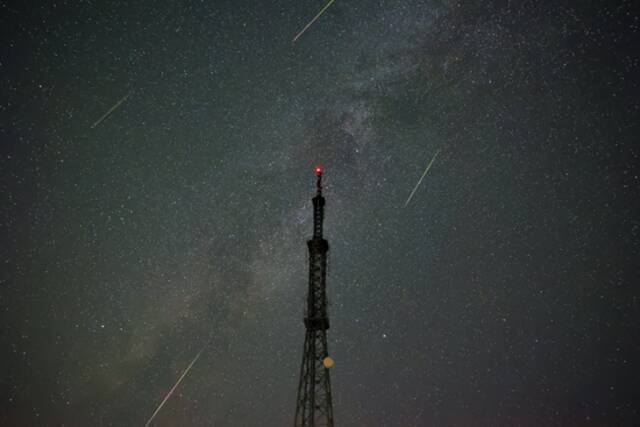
<point x="505" y="293"/>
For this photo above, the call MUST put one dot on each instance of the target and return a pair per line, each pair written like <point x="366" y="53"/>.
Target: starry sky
<point x="505" y="292"/>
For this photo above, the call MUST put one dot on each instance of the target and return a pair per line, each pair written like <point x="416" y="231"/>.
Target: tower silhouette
<point x="314" y="407"/>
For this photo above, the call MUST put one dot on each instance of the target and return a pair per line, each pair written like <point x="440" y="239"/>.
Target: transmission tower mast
<point x="314" y="408"/>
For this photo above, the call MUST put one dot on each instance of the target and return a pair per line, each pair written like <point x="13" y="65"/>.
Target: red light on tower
<point x="318" y="170"/>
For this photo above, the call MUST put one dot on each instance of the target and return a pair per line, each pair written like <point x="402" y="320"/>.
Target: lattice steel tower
<point x="314" y="406"/>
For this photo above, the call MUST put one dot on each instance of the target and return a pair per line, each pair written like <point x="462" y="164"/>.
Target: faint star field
<point x="157" y="173"/>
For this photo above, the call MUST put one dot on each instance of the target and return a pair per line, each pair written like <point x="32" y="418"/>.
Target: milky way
<point x="503" y="294"/>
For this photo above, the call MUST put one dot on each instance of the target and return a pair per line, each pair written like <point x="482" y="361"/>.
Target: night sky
<point x="505" y="293"/>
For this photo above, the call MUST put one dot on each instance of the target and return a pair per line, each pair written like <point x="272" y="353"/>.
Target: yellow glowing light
<point x="328" y="362"/>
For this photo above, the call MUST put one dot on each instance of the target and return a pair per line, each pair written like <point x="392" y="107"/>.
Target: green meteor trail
<point x="421" y="178"/>
<point x="111" y="110"/>
<point x="184" y="374"/>
<point x="315" y="18"/>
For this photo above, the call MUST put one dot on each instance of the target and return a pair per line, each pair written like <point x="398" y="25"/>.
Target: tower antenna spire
<point x="319" y="181"/>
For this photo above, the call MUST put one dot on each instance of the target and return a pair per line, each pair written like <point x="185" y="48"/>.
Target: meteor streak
<point x="111" y="110"/>
<point x="420" y="180"/>
<point x="312" y="21"/>
<point x="184" y="374"/>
